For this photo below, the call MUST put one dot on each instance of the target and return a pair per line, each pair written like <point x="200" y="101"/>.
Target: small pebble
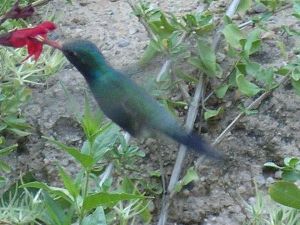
<point x="269" y="181"/>
<point x="123" y="43"/>
<point x="260" y="180"/>
<point x="278" y="174"/>
<point x="83" y="3"/>
<point x="133" y="31"/>
<point x="259" y="8"/>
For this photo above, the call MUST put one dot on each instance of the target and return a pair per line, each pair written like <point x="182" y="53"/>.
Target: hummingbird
<point x="125" y="103"/>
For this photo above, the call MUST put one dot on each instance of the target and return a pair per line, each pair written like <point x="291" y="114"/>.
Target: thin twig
<point x="253" y="105"/>
<point x="250" y="22"/>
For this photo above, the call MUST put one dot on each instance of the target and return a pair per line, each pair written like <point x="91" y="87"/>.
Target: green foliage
<point x="190" y="176"/>
<point x="21" y="207"/>
<point x="211" y="113"/>
<point x="290" y="169"/>
<point x="94" y="196"/>
<point x="265" y="212"/>
<point x="286" y="192"/>
<point x="175" y="36"/>
<point x="88" y="192"/>
<point x="272" y="4"/>
<point x="14" y="77"/>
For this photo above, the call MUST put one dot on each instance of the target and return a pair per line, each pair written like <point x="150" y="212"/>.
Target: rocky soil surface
<point x="270" y="135"/>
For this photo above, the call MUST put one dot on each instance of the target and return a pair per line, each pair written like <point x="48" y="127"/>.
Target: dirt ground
<point x="270" y="135"/>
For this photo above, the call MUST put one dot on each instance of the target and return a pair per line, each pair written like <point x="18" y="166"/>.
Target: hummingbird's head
<point x="85" y="56"/>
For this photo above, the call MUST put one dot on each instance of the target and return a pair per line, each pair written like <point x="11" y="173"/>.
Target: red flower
<point x="28" y="37"/>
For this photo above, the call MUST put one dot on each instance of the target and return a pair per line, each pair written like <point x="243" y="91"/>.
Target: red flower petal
<point x="34" y="48"/>
<point x="26" y="37"/>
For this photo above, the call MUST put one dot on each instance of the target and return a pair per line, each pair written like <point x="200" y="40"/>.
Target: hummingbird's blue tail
<point x="195" y="142"/>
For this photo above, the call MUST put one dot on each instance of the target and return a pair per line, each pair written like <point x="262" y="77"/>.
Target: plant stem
<point x="84" y="195"/>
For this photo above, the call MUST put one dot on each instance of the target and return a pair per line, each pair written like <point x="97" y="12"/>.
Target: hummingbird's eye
<point x="73" y="53"/>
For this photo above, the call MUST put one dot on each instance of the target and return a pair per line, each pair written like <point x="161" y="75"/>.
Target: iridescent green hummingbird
<point x="124" y="102"/>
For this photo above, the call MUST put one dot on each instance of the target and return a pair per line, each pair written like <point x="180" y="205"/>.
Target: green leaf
<point x="4" y="167"/>
<point x="8" y="150"/>
<point x="247" y="112"/>
<point x="291" y="161"/>
<point x="91" y="122"/>
<point x="244" y="5"/>
<point x="273" y="165"/>
<point x="296" y="7"/>
<point x="59" y="192"/>
<point x="3" y="126"/>
<point x="17" y="123"/>
<point x="209" y="113"/>
<point x="296" y="74"/>
<point x="191" y="175"/>
<point x="56" y="214"/>
<point x="265" y="75"/>
<point x="252" y="43"/>
<point x="96" y="218"/>
<point x="145" y="214"/>
<point x="233" y="35"/>
<point x="155" y="173"/>
<point x="245" y="86"/>
<point x="221" y="91"/>
<point x="160" y="25"/>
<point x="296" y="86"/>
<point x="85" y="160"/>
<point x="208" y="58"/>
<point x="19" y="132"/>
<point x="271" y="4"/>
<point x="285" y="193"/>
<point x="107" y="199"/>
<point x="150" y="52"/>
<point x="291" y="175"/>
<point x="2" y="181"/>
<point x="104" y="141"/>
<point x="68" y="183"/>
<point x="127" y="186"/>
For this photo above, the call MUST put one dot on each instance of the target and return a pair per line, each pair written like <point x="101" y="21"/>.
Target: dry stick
<point x="190" y="120"/>
<point x="250" y="22"/>
<point x="191" y="117"/>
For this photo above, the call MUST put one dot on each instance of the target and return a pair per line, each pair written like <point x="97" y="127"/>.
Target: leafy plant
<point x="87" y="193"/>
<point x="286" y="192"/>
<point x="13" y="80"/>
<point x="263" y="211"/>
<point x="21" y="207"/>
